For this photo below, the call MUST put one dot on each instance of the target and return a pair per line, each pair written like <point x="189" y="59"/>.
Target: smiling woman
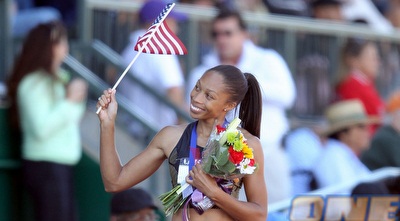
<point x="219" y="90"/>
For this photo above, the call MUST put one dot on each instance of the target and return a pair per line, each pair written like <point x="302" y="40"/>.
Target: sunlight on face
<point x="369" y="61"/>
<point x="60" y="51"/>
<point x="208" y="97"/>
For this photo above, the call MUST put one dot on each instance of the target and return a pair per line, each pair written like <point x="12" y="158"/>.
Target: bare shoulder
<point x="252" y="140"/>
<point x="172" y="130"/>
<point x="168" y="137"/>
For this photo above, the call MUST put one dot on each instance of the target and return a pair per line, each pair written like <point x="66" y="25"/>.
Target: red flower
<point x="220" y="129"/>
<point x="234" y="156"/>
<point x="252" y="162"/>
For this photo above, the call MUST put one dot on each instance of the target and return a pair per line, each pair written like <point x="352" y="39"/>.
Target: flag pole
<point x="139" y="52"/>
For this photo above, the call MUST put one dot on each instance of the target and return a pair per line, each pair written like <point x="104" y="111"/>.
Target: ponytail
<point x="245" y="91"/>
<point x="251" y="106"/>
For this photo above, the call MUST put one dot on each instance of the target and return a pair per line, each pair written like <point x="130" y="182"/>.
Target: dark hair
<point x="354" y="47"/>
<point x="363" y="188"/>
<point x="244" y="90"/>
<point x="336" y="135"/>
<point x="227" y="13"/>
<point x="317" y="3"/>
<point x="36" y="53"/>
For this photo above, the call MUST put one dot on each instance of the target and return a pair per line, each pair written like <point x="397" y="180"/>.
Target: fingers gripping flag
<point x="159" y="39"/>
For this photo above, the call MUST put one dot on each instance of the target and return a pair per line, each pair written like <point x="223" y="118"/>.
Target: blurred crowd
<point x="352" y="130"/>
<point x="341" y="138"/>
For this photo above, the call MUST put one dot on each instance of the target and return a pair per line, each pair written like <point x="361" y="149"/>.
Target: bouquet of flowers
<point x="226" y="157"/>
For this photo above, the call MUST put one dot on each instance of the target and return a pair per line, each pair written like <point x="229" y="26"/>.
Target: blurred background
<point x="99" y="30"/>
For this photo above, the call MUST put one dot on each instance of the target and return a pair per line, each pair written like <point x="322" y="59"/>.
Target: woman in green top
<point x="47" y="108"/>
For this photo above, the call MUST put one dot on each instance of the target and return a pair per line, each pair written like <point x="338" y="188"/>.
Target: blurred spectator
<point x="133" y="204"/>
<point x="287" y="7"/>
<point x="393" y="13"/>
<point x="47" y="107"/>
<point x="385" y="150"/>
<point x="304" y="146"/>
<point x="390" y="79"/>
<point x="360" y="68"/>
<point x="370" y="188"/>
<point x="366" y="10"/>
<point x="204" y="3"/>
<point x="348" y="138"/>
<point x="381" y="5"/>
<point x="315" y="54"/>
<point x="251" y="6"/>
<point x="68" y="9"/>
<point x="26" y="17"/>
<point x="350" y="10"/>
<point x="327" y="10"/>
<point x="393" y="184"/>
<point x="313" y="84"/>
<point x="232" y="46"/>
<point x="163" y="73"/>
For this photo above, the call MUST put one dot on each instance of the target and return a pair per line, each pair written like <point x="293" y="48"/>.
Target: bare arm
<point x="256" y="207"/>
<point x="115" y="176"/>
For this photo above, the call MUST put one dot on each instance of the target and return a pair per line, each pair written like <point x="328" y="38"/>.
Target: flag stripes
<point x="159" y="39"/>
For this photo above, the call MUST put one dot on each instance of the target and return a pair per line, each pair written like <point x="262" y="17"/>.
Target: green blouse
<point x="49" y="122"/>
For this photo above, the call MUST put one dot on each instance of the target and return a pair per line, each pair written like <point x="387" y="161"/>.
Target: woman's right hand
<point x="108" y="104"/>
<point x="77" y="90"/>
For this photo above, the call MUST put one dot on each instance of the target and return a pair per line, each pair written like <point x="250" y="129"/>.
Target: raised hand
<point x="108" y="104"/>
<point x="77" y="90"/>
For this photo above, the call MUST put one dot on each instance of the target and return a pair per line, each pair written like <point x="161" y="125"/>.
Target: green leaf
<point x="228" y="167"/>
<point x="222" y="157"/>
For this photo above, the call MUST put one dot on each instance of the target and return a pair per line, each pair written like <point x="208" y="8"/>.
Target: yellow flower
<point x="247" y="151"/>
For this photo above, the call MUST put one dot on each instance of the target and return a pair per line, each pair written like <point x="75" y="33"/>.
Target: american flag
<point x="159" y="39"/>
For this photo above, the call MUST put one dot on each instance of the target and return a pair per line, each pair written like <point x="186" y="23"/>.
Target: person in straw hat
<point x="348" y="136"/>
<point x="385" y="150"/>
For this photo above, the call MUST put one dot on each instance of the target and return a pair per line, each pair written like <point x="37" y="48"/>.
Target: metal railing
<point x="97" y="85"/>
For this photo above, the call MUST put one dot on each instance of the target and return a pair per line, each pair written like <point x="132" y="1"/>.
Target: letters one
<point x="345" y="208"/>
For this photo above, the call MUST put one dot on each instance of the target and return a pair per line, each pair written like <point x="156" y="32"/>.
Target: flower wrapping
<point x="172" y="200"/>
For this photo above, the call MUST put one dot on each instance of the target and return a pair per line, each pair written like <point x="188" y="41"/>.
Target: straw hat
<point x="344" y="114"/>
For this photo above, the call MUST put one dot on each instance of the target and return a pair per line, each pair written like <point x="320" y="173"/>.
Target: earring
<point x="225" y="109"/>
